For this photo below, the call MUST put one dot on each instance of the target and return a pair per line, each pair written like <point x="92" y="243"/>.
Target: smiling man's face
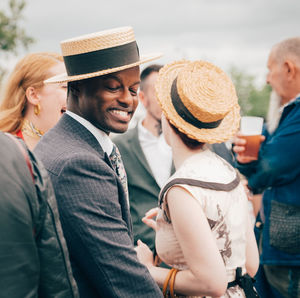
<point x="110" y="101"/>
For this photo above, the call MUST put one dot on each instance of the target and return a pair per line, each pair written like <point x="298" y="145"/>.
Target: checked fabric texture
<point x="117" y="163"/>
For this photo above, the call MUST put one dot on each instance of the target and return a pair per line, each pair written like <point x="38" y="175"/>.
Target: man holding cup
<point x="275" y="172"/>
<point x="251" y="130"/>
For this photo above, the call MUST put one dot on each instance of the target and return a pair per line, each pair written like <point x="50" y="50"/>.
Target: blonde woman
<point x="202" y="227"/>
<point x="29" y="108"/>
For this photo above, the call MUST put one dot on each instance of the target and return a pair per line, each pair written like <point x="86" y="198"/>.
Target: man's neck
<point x="292" y="93"/>
<point x="152" y="125"/>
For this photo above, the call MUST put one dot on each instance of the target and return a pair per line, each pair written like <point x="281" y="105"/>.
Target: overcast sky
<point x="225" y="32"/>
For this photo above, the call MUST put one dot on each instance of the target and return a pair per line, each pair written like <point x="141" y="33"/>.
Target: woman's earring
<point x="37" y="109"/>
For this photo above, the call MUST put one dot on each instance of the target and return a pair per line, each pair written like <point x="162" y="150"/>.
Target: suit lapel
<point x="81" y="134"/>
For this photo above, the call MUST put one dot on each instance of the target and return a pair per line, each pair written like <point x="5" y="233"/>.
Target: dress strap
<point x="204" y="184"/>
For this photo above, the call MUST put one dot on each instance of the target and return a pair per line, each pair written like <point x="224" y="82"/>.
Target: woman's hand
<point x="247" y="190"/>
<point x="144" y="254"/>
<point x="147" y="219"/>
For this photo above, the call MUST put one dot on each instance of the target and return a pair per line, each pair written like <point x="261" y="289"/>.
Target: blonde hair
<point x="30" y="71"/>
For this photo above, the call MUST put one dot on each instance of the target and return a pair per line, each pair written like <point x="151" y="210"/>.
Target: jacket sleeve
<point x="97" y="236"/>
<point x="19" y="262"/>
<point x="19" y="209"/>
<point x="277" y="158"/>
<point x="25" y="254"/>
<point x="56" y="279"/>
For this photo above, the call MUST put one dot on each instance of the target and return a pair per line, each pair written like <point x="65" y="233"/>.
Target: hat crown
<point x="97" y="41"/>
<point x="206" y="91"/>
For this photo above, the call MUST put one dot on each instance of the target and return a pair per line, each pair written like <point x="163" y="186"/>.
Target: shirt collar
<point x="102" y="138"/>
<point x="289" y="103"/>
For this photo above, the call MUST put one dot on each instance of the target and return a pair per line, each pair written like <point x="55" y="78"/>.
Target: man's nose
<point x="126" y="98"/>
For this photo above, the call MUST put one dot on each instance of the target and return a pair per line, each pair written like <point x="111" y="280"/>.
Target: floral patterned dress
<point x="226" y="213"/>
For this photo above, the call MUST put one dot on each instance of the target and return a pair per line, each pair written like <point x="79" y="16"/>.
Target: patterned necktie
<point x="117" y="163"/>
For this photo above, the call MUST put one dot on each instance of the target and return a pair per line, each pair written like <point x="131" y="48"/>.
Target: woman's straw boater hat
<point x="100" y="53"/>
<point x="199" y="99"/>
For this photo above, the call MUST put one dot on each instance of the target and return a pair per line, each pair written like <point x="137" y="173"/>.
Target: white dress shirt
<point x="158" y="154"/>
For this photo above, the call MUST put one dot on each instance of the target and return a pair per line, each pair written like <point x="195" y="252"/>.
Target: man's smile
<point x="121" y="114"/>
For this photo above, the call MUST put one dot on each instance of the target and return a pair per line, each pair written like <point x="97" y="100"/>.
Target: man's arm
<point x="19" y="261"/>
<point x="97" y="236"/>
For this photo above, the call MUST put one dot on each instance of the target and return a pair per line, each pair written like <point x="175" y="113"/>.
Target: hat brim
<point x="226" y="130"/>
<point x="62" y="78"/>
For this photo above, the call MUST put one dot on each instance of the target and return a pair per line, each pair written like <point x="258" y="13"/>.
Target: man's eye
<point x="133" y="92"/>
<point x="113" y="88"/>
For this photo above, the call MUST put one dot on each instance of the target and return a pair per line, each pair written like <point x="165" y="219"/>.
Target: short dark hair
<point x="190" y="143"/>
<point x="147" y="71"/>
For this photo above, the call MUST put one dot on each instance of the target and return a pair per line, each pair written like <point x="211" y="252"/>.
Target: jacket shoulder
<point x="56" y="150"/>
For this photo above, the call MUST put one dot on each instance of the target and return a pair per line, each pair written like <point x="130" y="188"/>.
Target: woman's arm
<point x="207" y="273"/>
<point x="252" y="256"/>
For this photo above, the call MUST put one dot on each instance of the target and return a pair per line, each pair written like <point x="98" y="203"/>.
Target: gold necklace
<point x="29" y="129"/>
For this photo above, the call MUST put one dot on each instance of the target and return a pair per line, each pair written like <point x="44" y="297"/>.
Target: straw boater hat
<point x="100" y="53"/>
<point x="199" y="99"/>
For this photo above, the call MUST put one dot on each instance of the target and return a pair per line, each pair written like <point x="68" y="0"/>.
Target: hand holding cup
<point x="248" y="140"/>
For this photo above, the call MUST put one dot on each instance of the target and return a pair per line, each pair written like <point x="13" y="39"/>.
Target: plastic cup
<point x="251" y="129"/>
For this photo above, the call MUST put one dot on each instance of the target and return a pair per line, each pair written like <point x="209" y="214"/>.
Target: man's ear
<point x="32" y="95"/>
<point x="142" y="97"/>
<point x="290" y="69"/>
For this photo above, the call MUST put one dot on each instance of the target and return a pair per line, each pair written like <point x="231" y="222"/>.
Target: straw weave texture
<point x="97" y="41"/>
<point x="207" y="92"/>
<point x="205" y="81"/>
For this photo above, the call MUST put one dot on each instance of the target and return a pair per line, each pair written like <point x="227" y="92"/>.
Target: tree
<point x="254" y="101"/>
<point x="12" y="35"/>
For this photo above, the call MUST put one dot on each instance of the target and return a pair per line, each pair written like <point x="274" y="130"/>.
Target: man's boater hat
<point x="100" y="53"/>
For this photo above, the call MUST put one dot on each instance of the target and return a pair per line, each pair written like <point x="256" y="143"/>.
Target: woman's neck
<point x="31" y="133"/>
<point x="181" y="152"/>
<point x="31" y="142"/>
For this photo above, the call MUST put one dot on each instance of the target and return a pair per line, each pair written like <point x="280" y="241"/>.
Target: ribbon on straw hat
<point x="100" y="53"/>
<point x="199" y="99"/>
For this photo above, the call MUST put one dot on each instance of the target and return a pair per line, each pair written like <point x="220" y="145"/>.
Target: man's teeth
<point x="121" y="113"/>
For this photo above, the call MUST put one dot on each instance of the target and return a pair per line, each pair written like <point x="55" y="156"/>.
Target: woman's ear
<point x="32" y="95"/>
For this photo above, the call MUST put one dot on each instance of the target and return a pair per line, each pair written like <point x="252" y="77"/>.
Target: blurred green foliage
<point x="254" y="101"/>
<point x="12" y="35"/>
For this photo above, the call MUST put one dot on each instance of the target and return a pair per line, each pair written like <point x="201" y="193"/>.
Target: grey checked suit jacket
<point x="94" y="214"/>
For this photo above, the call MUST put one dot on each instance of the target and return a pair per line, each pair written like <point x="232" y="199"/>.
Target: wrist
<point x="150" y="267"/>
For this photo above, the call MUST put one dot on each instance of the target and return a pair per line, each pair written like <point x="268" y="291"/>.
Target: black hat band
<point x="102" y="59"/>
<point x="185" y="114"/>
